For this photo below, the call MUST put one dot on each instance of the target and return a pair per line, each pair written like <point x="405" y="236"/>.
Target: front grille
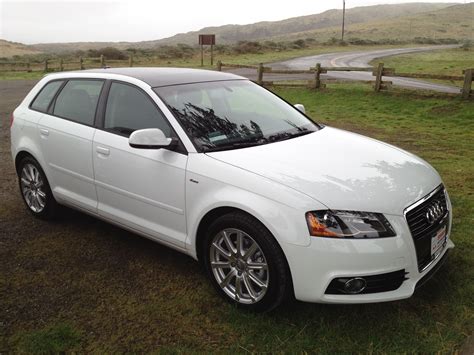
<point x="389" y="281"/>
<point x="424" y="227"/>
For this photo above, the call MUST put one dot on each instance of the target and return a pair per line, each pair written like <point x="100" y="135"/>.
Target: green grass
<point x="442" y="62"/>
<point x="127" y="294"/>
<point x="54" y="339"/>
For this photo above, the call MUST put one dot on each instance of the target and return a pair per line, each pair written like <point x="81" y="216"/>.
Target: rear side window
<point x="129" y="109"/>
<point x="43" y="99"/>
<point x="77" y="101"/>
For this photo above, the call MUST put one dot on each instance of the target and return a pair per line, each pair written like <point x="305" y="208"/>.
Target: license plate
<point x="438" y="241"/>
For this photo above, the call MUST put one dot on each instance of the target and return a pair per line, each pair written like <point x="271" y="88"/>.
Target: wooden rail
<point x="378" y="84"/>
<point x="49" y="65"/>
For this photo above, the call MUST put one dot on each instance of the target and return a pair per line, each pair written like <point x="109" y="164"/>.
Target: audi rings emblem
<point x="434" y="212"/>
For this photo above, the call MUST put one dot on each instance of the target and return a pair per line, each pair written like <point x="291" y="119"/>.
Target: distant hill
<point x="290" y="27"/>
<point x="9" y="49"/>
<point x="455" y="21"/>
<point x="403" y="22"/>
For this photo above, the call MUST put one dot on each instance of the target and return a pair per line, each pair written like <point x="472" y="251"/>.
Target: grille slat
<point x="422" y="230"/>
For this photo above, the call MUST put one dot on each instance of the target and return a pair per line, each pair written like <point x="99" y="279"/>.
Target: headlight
<point x="348" y="224"/>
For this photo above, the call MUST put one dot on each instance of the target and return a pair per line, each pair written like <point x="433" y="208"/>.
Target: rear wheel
<point x="245" y="263"/>
<point x="35" y="190"/>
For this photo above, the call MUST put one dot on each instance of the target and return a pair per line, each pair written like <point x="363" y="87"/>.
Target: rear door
<point x="66" y="133"/>
<point x="140" y="188"/>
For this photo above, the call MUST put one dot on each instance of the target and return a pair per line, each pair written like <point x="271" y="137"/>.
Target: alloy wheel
<point x="32" y="188"/>
<point x="239" y="266"/>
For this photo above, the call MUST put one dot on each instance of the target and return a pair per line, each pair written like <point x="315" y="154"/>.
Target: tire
<point x="35" y="190"/>
<point x="242" y="278"/>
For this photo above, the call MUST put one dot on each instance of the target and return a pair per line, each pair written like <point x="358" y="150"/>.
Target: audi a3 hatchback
<point x="208" y="163"/>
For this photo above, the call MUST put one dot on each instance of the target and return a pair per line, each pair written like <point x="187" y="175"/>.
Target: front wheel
<point x="245" y="263"/>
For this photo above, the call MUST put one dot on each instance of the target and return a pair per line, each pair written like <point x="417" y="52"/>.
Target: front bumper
<point x="315" y="266"/>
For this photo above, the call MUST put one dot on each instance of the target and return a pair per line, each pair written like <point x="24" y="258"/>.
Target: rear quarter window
<point x="43" y="99"/>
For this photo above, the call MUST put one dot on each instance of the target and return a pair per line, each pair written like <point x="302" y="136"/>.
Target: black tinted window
<point x="42" y="101"/>
<point x="129" y="109"/>
<point x="77" y="101"/>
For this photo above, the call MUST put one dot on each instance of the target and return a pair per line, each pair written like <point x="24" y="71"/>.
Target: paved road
<point x="351" y="59"/>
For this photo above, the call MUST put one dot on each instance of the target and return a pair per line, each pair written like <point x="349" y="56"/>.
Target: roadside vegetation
<point x="83" y="285"/>
<point x="182" y="55"/>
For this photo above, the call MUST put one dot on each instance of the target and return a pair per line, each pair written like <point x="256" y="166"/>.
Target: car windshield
<point x="234" y="114"/>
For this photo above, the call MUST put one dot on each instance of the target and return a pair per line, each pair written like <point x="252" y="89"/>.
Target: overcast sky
<point x="36" y="21"/>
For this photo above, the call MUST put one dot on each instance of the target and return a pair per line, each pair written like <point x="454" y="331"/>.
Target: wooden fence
<point x="50" y="65"/>
<point x="378" y="83"/>
<point x="317" y="82"/>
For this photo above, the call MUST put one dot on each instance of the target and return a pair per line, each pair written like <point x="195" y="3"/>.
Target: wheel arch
<point x="217" y="212"/>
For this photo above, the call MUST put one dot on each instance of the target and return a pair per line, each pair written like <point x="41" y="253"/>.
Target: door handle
<point x="103" y="151"/>
<point x="44" y="132"/>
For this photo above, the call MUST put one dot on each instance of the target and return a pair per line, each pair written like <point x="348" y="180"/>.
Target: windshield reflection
<point x="233" y="114"/>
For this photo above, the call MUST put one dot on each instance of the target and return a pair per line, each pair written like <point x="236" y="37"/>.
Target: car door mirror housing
<point x="300" y="108"/>
<point x="150" y="138"/>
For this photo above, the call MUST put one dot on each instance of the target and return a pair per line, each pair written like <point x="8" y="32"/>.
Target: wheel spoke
<point x="228" y="242"/>
<point x="41" y="194"/>
<point x="220" y="264"/>
<point x="227" y="279"/>
<point x="240" y="241"/>
<point x="27" y="174"/>
<point x="221" y="251"/>
<point x="24" y="181"/>
<point x="257" y="281"/>
<point x="40" y="200"/>
<point x="257" y="266"/>
<point x="250" y="251"/>
<point x="238" y="288"/>
<point x="32" y="172"/>
<point x="249" y="287"/>
<point x="28" y="196"/>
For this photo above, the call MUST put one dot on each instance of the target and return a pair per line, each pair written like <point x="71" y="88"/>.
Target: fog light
<point x="355" y="285"/>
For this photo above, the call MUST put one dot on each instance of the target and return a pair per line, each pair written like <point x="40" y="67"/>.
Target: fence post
<point x="378" y="77"/>
<point x="28" y="67"/>
<point x="130" y="60"/>
<point x="260" y="74"/>
<point x="102" y="61"/>
<point x="45" y="65"/>
<point x="219" y="65"/>
<point x="81" y="63"/>
<point x="466" y="89"/>
<point x="317" y="76"/>
<point x="61" y="64"/>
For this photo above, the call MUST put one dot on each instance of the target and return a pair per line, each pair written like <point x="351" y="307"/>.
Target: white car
<point x="217" y="167"/>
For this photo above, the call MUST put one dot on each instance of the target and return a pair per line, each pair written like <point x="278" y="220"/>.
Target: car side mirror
<point x="149" y="138"/>
<point x="300" y="108"/>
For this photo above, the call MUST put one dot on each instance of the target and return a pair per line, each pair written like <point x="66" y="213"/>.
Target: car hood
<point x="341" y="170"/>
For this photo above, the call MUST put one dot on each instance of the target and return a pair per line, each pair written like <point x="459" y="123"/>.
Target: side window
<point x="43" y="99"/>
<point x="77" y="101"/>
<point x="129" y="109"/>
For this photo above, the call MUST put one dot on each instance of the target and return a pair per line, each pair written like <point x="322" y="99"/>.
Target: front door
<point x="143" y="189"/>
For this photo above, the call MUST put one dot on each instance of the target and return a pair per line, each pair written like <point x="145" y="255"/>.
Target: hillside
<point x="455" y="21"/>
<point x="402" y="22"/>
<point x="9" y="49"/>
<point x="291" y="26"/>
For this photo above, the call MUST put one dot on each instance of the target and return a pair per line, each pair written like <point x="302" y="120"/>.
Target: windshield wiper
<point x="235" y="145"/>
<point x="284" y="136"/>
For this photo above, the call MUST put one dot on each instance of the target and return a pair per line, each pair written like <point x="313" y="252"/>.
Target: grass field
<point x="446" y="61"/>
<point x="82" y="285"/>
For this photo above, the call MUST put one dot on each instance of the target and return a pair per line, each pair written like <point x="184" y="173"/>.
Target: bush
<point x="243" y="47"/>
